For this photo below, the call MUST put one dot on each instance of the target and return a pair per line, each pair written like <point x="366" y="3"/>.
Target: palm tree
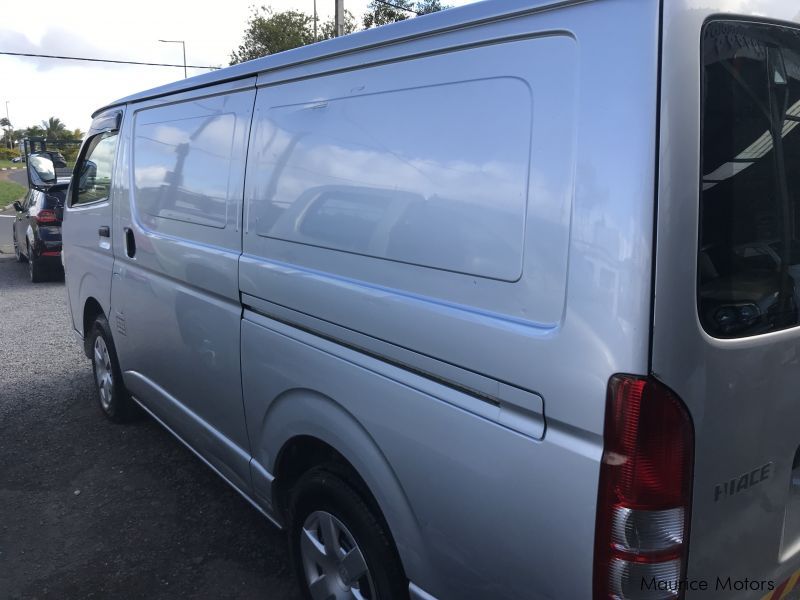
<point x="6" y="125"/>
<point x="54" y="129"/>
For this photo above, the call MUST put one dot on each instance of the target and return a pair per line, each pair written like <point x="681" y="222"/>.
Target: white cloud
<point x="39" y="88"/>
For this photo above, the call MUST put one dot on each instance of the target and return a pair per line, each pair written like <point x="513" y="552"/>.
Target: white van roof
<point x="454" y="18"/>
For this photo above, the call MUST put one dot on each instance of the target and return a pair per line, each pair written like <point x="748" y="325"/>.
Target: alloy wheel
<point x="103" y="373"/>
<point x="334" y="564"/>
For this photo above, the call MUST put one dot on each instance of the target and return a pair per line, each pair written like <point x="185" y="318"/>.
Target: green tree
<point x="54" y="129"/>
<point x="379" y="13"/>
<point x="328" y="29"/>
<point x="426" y="7"/>
<point x="8" y="132"/>
<point x="269" y="32"/>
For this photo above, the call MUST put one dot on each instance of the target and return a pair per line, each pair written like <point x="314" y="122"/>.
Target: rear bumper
<point x="47" y="243"/>
<point x="48" y="251"/>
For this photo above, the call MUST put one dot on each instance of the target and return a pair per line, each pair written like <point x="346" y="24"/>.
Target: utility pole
<point x="339" y="18"/>
<point x="315" y="21"/>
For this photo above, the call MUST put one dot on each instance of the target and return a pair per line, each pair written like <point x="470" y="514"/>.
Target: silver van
<point x="501" y="302"/>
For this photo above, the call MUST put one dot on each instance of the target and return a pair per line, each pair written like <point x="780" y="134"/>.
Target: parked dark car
<point x="37" y="230"/>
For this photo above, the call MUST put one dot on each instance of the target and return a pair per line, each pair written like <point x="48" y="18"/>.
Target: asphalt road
<point x="89" y="509"/>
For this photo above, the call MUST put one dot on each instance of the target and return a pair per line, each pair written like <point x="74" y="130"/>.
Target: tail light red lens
<point x="645" y="489"/>
<point x="46" y="216"/>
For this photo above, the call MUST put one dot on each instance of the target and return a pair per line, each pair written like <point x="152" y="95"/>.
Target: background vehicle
<point x="520" y="345"/>
<point x="37" y="230"/>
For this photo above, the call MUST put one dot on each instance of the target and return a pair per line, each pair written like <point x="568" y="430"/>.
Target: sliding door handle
<point x="104" y="231"/>
<point x="130" y="243"/>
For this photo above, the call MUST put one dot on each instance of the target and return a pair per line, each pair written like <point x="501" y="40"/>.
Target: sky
<point x="38" y="88"/>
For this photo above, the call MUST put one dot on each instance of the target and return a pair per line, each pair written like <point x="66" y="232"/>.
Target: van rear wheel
<point x="115" y="401"/>
<point x="340" y="548"/>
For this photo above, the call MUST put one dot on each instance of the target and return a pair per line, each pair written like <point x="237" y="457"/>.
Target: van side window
<point x="182" y="164"/>
<point x="339" y="175"/>
<point x="94" y="174"/>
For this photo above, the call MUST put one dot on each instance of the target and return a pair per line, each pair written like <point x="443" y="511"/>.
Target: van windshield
<point x="749" y="249"/>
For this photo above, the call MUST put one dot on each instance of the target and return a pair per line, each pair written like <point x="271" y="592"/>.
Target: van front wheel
<point x="339" y="546"/>
<point x="115" y="402"/>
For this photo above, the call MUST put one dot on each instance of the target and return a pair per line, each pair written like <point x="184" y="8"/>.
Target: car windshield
<point x="749" y="257"/>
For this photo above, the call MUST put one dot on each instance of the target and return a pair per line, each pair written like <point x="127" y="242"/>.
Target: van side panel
<point x="357" y="217"/>
<point x="463" y="495"/>
<point x="424" y="358"/>
<point x="175" y="301"/>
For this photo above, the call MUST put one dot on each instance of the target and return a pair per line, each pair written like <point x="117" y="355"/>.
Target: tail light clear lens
<point x="46" y="216"/>
<point x="644" y="497"/>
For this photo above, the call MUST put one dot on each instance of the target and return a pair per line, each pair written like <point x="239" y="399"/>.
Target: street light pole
<point x="182" y="43"/>
<point x="315" y="20"/>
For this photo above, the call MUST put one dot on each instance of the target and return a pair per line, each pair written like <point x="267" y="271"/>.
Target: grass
<point x="8" y="163"/>
<point x="10" y="191"/>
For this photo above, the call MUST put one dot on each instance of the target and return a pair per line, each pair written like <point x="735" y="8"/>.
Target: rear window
<point x="749" y="255"/>
<point x="55" y="196"/>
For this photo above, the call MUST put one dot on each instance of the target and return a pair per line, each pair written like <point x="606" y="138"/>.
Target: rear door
<point x="727" y="304"/>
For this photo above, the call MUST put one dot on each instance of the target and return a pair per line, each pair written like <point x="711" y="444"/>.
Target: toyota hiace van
<point x="497" y="303"/>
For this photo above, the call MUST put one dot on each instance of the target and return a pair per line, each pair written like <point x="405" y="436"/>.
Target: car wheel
<point x="17" y="254"/>
<point x="340" y="546"/>
<point x="35" y="270"/>
<point x="115" y="401"/>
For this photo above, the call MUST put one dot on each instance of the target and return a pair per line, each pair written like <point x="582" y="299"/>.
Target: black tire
<point x="17" y="254"/>
<point x="117" y="406"/>
<point x="35" y="271"/>
<point x="326" y="488"/>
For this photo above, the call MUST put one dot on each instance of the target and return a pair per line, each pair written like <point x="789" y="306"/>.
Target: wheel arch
<point x="91" y="310"/>
<point x="303" y="429"/>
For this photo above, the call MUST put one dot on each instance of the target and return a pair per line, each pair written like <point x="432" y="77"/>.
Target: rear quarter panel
<point x="739" y="405"/>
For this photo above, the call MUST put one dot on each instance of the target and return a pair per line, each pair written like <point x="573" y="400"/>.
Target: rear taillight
<point x="643" y="504"/>
<point x="46" y="216"/>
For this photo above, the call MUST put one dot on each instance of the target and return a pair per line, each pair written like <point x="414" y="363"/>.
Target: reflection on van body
<point x="384" y="223"/>
<point x="466" y="198"/>
<point x="177" y="168"/>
